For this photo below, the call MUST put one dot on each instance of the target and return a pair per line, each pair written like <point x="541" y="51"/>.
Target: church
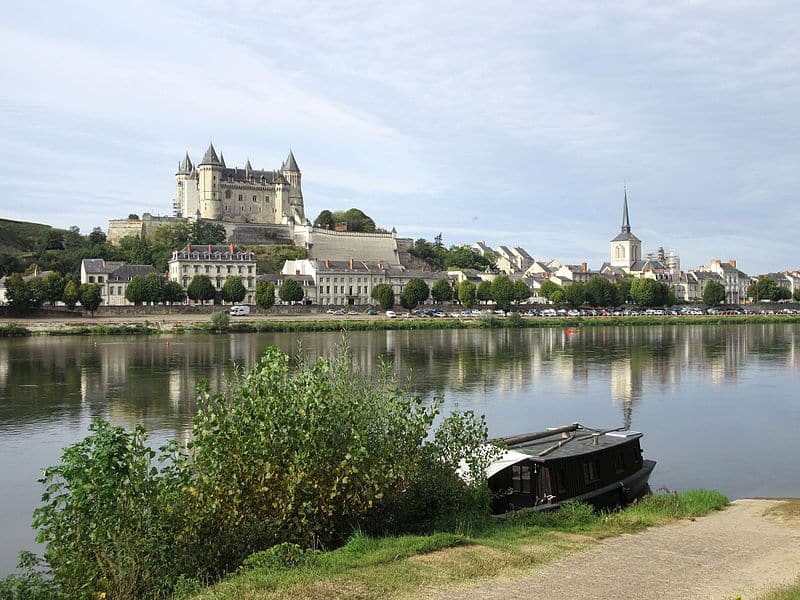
<point x="212" y="190"/>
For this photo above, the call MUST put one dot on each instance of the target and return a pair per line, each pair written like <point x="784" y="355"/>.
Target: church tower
<point x="210" y="174"/>
<point x="626" y="248"/>
<point x="291" y="172"/>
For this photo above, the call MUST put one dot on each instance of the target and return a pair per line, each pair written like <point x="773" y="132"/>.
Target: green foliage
<point x="649" y="292"/>
<point x="713" y="293"/>
<point x="290" y="291"/>
<point x="782" y="293"/>
<point x="200" y="288"/>
<point x="133" y="217"/>
<point x="206" y="231"/>
<point x="574" y="294"/>
<point x="54" y="287"/>
<point x="548" y="288"/>
<point x="71" y="294"/>
<point x="503" y="292"/>
<point x="415" y="292"/>
<point x="484" y="291"/>
<point x="279" y="556"/>
<point x="521" y="291"/>
<point x="467" y="293"/>
<point x="796" y="295"/>
<point x="384" y="295"/>
<point x="233" y="289"/>
<point x="9" y="264"/>
<point x="18" y="293"/>
<point x="624" y="289"/>
<point x="220" y="320"/>
<point x="90" y="296"/>
<point x="265" y="294"/>
<point x="442" y="290"/>
<point x="601" y="292"/>
<point x="457" y="257"/>
<point x="515" y="320"/>
<point x="353" y="219"/>
<point x="30" y="582"/>
<point x="13" y="330"/>
<point x="325" y="220"/>
<point x="558" y="297"/>
<point x="173" y="292"/>
<point x="271" y="257"/>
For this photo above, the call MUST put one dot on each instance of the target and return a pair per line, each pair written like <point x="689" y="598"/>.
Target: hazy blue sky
<point x="512" y="123"/>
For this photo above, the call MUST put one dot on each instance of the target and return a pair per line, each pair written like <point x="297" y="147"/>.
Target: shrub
<point x="220" y="320"/>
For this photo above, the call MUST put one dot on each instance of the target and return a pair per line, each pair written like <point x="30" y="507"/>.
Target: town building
<point x="734" y="280"/>
<point x="112" y="277"/>
<point x="626" y="248"/>
<point x="217" y="262"/>
<point x="26" y="278"/>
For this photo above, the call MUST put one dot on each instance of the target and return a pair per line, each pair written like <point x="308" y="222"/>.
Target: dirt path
<point x="738" y="552"/>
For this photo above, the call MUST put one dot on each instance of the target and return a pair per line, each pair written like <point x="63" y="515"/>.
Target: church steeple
<point x="626" y="223"/>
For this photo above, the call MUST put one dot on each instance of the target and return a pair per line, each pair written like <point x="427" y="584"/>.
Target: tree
<point x="624" y="290"/>
<point x="90" y="297"/>
<point x="133" y="217"/>
<point x="548" y="288"/>
<point x="290" y="291"/>
<point x="574" y="294"/>
<point x="464" y="257"/>
<point x="521" y="291"/>
<point x="781" y="293"/>
<point x="135" y="250"/>
<point x="54" y="287"/>
<point x="441" y="290"/>
<point x="136" y="291"/>
<point x="764" y="288"/>
<point x="384" y="295"/>
<point x="713" y="293"/>
<point x="324" y="220"/>
<point x="206" y="231"/>
<point x="467" y="293"/>
<point x="796" y="295"/>
<point x="18" y="293"/>
<point x="173" y="292"/>
<point x="71" y="294"/>
<point x="649" y="292"/>
<point x="601" y="292"/>
<point x="558" y="297"/>
<point x="9" y="264"/>
<point x="503" y="292"/>
<point x="415" y="292"/>
<point x="484" y="291"/>
<point x="233" y="289"/>
<point x="97" y="236"/>
<point x="265" y="294"/>
<point x="200" y="288"/>
<point x="154" y="288"/>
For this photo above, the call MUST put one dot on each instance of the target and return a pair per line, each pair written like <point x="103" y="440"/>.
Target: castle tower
<point x="185" y="188"/>
<point x="626" y="248"/>
<point x="291" y="172"/>
<point x="209" y="173"/>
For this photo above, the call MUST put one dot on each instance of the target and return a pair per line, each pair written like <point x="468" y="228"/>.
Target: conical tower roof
<point x="625" y="230"/>
<point x="210" y="157"/>
<point x="222" y="159"/>
<point x="290" y="164"/>
<point x="185" y="166"/>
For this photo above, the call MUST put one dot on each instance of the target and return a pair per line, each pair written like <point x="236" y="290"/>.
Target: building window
<point x="227" y="193"/>
<point x="255" y="198"/>
<point x="91" y="278"/>
<point x="99" y="279"/>
<point x="111" y="290"/>
<point x="521" y="479"/>
<point x="240" y="197"/>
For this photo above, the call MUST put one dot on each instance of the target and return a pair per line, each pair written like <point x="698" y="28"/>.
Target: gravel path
<point x="734" y="553"/>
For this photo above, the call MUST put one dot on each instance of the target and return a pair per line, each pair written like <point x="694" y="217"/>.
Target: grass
<point x="791" y="592"/>
<point x="138" y="329"/>
<point x="368" y="567"/>
<point x="13" y="330"/>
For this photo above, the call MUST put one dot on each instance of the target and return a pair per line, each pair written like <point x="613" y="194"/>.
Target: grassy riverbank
<point x="320" y="323"/>
<point x="409" y="565"/>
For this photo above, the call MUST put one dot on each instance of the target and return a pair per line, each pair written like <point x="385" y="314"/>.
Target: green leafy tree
<point x="220" y="321"/>
<point x="90" y="297"/>
<point x="271" y="258"/>
<point x="713" y="293"/>
<point x="324" y="220"/>
<point x="233" y="289"/>
<point x="135" y="250"/>
<point x="355" y="220"/>
<point x="503" y="292"/>
<point x="19" y="293"/>
<point x="624" y="289"/>
<point x="574" y="294"/>
<point x="442" y="290"/>
<point x="601" y="292"/>
<point x="133" y="217"/>
<point x="467" y="293"/>
<point x="97" y="236"/>
<point x="9" y="264"/>
<point x="484" y="291"/>
<point x="173" y="292"/>
<point x="796" y="295"/>
<point x="206" y="231"/>
<point x="290" y="291"/>
<point x="71" y="295"/>
<point x="136" y="290"/>
<point x="782" y="293"/>
<point x="415" y="292"/>
<point x="54" y="287"/>
<point x="200" y="288"/>
<point x="463" y="257"/>
<point x="521" y="291"/>
<point x="154" y="288"/>
<point x="265" y="294"/>
<point x="384" y="295"/>
<point x="558" y="298"/>
<point x="548" y="288"/>
<point x="649" y="292"/>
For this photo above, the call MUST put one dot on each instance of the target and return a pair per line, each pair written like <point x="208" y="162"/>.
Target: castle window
<point x="227" y="193"/>
<point x="240" y="197"/>
<point x="255" y="198"/>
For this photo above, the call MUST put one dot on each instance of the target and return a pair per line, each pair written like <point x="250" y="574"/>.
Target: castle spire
<point x="626" y="222"/>
<point x="222" y="159"/>
<point x="290" y="164"/>
<point x="210" y="157"/>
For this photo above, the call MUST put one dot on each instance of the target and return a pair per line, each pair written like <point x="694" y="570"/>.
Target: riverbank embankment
<point x="184" y="323"/>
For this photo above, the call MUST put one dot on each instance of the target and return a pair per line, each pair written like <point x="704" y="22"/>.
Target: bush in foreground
<point x="293" y="457"/>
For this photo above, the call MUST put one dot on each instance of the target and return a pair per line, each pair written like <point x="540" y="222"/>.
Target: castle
<point x="211" y="190"/>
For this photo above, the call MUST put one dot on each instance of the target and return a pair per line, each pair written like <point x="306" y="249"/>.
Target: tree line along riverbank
<point x="220" y="323"/>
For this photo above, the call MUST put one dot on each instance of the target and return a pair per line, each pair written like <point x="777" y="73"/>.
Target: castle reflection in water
<point x="152" y="380"/>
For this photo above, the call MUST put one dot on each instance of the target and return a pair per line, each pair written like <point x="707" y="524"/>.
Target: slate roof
<point x="625" y="236"/>
<point x="252" y="175"/>
<point x="125" y="273"/>
<point x="94" y="266"/>
<point x="210" y="157"/>
<point x="290" y="164"/>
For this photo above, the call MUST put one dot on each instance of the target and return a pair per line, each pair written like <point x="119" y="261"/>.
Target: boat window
<point x="561" y="481"/>
<point x="619" y="462"/>
<point x="521" y="479"/>
<point x="590" y="474"/>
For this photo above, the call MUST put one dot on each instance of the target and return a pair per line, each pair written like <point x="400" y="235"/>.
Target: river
<point x="719" y="404"/>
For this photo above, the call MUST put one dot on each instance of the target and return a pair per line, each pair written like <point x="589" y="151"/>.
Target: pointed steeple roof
<point x="210" y="157"/>
<point x="625" y="231"/>
<point x="222" y="159"/>
<point x="290" y="164"/>
<point x="248" y="167"/>
<point x="185" y="166"/>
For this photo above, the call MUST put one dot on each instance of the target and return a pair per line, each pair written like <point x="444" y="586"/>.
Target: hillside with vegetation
<point x="21" y="237"/>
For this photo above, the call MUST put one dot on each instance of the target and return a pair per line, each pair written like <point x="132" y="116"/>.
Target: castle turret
<point x="626" y="248"/>
<point x="183" y="187"/>
<point x="291" y="173"/>
<point x="209" y="174"/>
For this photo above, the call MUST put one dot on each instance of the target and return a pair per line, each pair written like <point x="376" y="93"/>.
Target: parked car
<point x="240" y="310"/>
<point x="391" y="314"/>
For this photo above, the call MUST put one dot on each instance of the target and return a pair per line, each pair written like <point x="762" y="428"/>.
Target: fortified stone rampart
<point x="343" y="245"/>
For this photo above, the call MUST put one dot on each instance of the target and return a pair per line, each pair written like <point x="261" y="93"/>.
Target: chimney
<point x="209" y="248"/>
<point x="188" y="248"/>
<point x="232" y="250"/>
<point x="715" y="261"/>
<point x="327" y="264"/>
<point x="351" y="263"/>
<point x="583" y="266"/>
<point x="297" y="271"/>
<point x="732" y="262"/>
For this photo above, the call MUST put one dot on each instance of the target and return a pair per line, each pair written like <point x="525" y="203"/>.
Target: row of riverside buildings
<point x="342" y="268"/>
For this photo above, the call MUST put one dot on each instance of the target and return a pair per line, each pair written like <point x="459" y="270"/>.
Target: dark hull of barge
<point x="543" y="471"/>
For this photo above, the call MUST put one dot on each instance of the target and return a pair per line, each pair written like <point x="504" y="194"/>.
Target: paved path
<point x="734" y="553"/>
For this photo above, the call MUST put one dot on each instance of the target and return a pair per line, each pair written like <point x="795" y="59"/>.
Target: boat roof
<point x="582" y="441"/>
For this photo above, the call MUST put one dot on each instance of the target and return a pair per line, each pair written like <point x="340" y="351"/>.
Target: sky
<point x="514" y="123"/>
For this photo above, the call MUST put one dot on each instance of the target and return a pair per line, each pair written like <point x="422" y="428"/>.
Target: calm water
<point x="719" y="404"/>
